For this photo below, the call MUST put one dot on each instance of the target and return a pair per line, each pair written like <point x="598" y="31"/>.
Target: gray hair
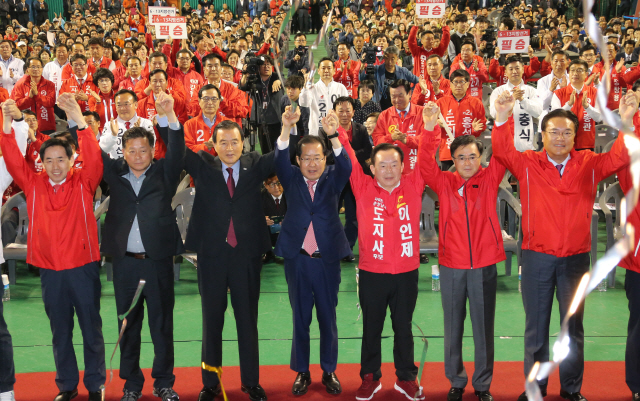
<point x="392" y="50"/>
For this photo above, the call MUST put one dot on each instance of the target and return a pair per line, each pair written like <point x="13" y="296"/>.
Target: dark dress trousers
<point x="313" y="281"/>
<point x="221" y="266"/>
<point x="161" y="240"/>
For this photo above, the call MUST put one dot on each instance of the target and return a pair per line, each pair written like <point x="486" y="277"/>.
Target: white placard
<point x="430" y="8"/>
<point x="174" y="27"/>
<point x="155" y="12"/>
<point x="514" y="41"/>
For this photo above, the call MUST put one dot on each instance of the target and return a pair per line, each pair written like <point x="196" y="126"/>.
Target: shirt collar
<point x="405" y="110"/>
<point x="53" y="184"/>
<point x="235" y="167"/>
<point x="276" y="197"/>
<point x="144" y="174"/>
<point x="511" y="86"/>
<point x="133" y="120"/>
<point x="564" y="163"/>
<point x="578" y="91"/>
<point x="392" y="189"/>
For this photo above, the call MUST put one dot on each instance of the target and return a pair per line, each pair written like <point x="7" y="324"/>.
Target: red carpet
<point x="603" y="381"/>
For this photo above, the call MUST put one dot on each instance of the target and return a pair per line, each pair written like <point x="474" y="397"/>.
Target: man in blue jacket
<point x="387" y="73"/>
<point x="312" y="242"/>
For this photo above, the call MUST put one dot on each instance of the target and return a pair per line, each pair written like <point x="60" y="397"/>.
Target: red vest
<point x="586" y="134"/>
<point x="459" y="116"/>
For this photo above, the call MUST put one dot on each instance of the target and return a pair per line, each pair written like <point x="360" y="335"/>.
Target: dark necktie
<point x="278" y="205"/>
<point x="231" y="186"/>
<point x="559" y="168"/>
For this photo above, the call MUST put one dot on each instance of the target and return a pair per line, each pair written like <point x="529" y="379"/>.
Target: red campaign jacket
<point x="71" y="85"/>
<point x="192" y="81"/>
<point x="127" y="83"/>
<point x="348" y="76"/>
<point x="174" y="88"/>
<point x="545" y="68"/>
<point x="388" y="223"/>
<point x="459" y="116"/>
<point x="62" y="229"/>
<point x="421" y="99"/>
<point x="617" y="83"/>
<point x="106" y="109"/>
<point x="233" y="105"/>
<point x="497" y="71"/>
<point x="631" y="75"/>
<point x="556" y="212"/>
<point x="477" y="78"/>
<point x="118" y="75"/>
<point x="420" y="55"/>
<point x="147" y="109"/>
<point x="67" y="71"/>
<point x="470" y="234"/>
<point x="32" y="155"/>
<point x="411" y="125"/>
<point x="196" y="133"/>
<point x="632" y="261"/>
<point x="104" y="63"/>
<point x="586" y="134"/>
<point x="41" y="104"/>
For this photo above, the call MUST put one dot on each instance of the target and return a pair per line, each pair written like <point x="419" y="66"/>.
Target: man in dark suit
<point x="628" y="53"/>
<point x="159" y="3"/>
<point x="142" y="236"/>
<point x="359" y="139"/>
<point x="242" y="6"/>
<point x="274" y="205"/>
<point x="312" y="260"/>
<point x="229" y="233"/>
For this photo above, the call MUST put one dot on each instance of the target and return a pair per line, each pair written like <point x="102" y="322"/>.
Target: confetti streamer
<point x="613" y="256"/>
<point x="217" y="370"/>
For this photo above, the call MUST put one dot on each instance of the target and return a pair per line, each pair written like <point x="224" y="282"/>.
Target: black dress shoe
<point x="349" y="258"/>
<point x="301" y="383"/>
<point x="484" y="395"/>
<point x="523" y="396"/>
<point x="572" y="396"/>
<point x="635" y="397"/>
<point x="424" y="258"/>
<point x="256" y="393"/>
<point x="95" y="395"/>
<point x="331" y="382"/>
<point x="66" y="395"/>
<point x="455" y="394"/>
<point x="209" y="393"/>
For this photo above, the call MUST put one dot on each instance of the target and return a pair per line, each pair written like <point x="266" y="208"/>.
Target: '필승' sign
<point x="430" y="8"/>
<point x="174" y="27"/>
<point x="513" y="41"/>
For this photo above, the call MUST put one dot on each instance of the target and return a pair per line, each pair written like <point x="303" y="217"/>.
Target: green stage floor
<point x="605" y="322"/>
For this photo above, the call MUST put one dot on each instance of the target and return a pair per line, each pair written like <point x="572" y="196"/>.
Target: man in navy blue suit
<point x="312" y="243"/>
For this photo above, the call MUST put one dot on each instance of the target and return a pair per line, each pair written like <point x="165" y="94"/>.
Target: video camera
<point x="252" y="64"/>
<point x="302" y="51"/>
<point x="371" y="54"/>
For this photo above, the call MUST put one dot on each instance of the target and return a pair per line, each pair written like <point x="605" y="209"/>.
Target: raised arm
<point x="430" y="139"/>
<point x="343" y="164"/>
<point x="11" y="154"/>
<point x="174" y="159"/>
<point x="502" y="135"/>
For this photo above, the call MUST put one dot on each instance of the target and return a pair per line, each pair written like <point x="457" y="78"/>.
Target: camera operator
<point x="266" y="91"/>
<point x="297" y="60"/>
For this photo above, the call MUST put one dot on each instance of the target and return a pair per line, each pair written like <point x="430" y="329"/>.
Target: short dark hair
<point x="579" y="62"/>
<point x="226" y="124"/>
<point x="29" y="112"/>
<point x="375" y="115"/>
<point x="158" y="54"/>
<point x="210" y="57"/>
<point x="508" y="23"/>
<point x="93" y="114"/>
<point x="344" y="99"/>
<point x="436" y="57"/>
<point x="185" y="51"/>
<point x="78" y="57"/>
<point x="325" y="59"/>
<point x="401" y="83"/>
<point x="59" y="45"/>
<point x="468" y="42"/>
<point x="298" y="35"/>
<point x="426" y="32"/>
<point x="636" y="85"/>
<point x="126" y="92"/>
<point x="159" y="71"/>
<point x="385" y="146"/>
<point x="133" y="58"/>
<point x="514" y="59"/>
<point x="308" y="139"/>
<point x="137" y="132"/>
<point x="465" y="140"/>
<point x="461" y="18"/>
<point x="560" y="113"/>
<point x="66" y="136"/>
<point x="296" y="82"/>
<point x="208" y="87"/>
<point x="28" y="63"/>
<point x="96" y="41"/>
<point x="102" y="73"/>
<point x="560" y="52"/>
<point x="586" y="48"/>
<point x="459" y="73"/>
<point x="49" y="143"/>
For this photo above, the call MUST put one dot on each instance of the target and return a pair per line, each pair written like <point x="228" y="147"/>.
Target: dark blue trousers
<point x="542" y="276"/>
<point x="65" y="292"/>
<point x="313" y="282"/>
<point x="7" y="370"/>
<point x="632" y="356"/>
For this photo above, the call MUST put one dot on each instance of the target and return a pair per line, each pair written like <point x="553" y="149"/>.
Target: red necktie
<point x="56" y="188"/>
<point x="402" y="115"/>
<point x="231" y="186"/>
<point x="310" y="245"/>
<point x="559" y="168"/>
<point x="277" y="204"/>
<point x="127" y="125"/>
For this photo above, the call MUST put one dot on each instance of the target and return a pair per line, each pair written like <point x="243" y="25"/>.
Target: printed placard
<point x="430" y="8"/>
<point x="174" y="27"/>
<point x="155" y="12"/>
<point x="514" y="41"/>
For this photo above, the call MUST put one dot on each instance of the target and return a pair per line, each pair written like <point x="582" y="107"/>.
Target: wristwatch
<point x="333" y="136"/>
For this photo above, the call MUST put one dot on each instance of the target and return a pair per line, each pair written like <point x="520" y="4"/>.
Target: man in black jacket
<point x="229" y="233"/>
<point x="141" y="191"/>
<point x="274" y="205"/>
<point x="359" y="139"/>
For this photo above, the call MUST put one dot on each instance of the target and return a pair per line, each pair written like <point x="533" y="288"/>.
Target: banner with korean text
<point x="514" y="41"/>
<point x="174" y="27"/>
<point x="430" y="8"/>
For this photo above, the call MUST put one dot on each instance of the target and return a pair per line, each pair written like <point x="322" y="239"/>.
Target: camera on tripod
<point x="371" y="54"/>
<point x="252" y="71"/>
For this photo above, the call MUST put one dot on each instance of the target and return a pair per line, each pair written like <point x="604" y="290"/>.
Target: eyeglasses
<point x="123" y="104"/>
<point x="463" y="159"/>
<point x="158" y="82"/>
<point x="577" y="71"/>
<point x="315" y="160"/>
<point x="104" y="81"/>
<point x="558" y="134"/>
<point x="77" y="65"/>
<point x="458" y="83"/>
<point x="210" y="99"/>
<point x="35" y="67"/>
<point x="274" y="184"/>
<point x="184" y="58"/>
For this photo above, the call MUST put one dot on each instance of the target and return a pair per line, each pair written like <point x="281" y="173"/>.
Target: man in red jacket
<point x="498" y="72"/>
<point x="191" y="79"/>
<point x="388" y="208"/>
<point x="347" y="71"/>
<point x="199" y="130"/>
<point x="98" y="60"/>
<point x="463" y="114"/>
<point x="63" y="243"/>
<point x="470" y="246"/>
<point x="37" y="94"/>
<point x="557" y="188"/>
<point x="133" y="74"/>
<point x="401" y="124"/>
<point x="422" y="54"/>
<point x="67" y="70"/>
<point x="437" y="85"/>
<point x="474" y="65"/>
<point x="81" y="82"/>
<point x="159" y="61"/>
